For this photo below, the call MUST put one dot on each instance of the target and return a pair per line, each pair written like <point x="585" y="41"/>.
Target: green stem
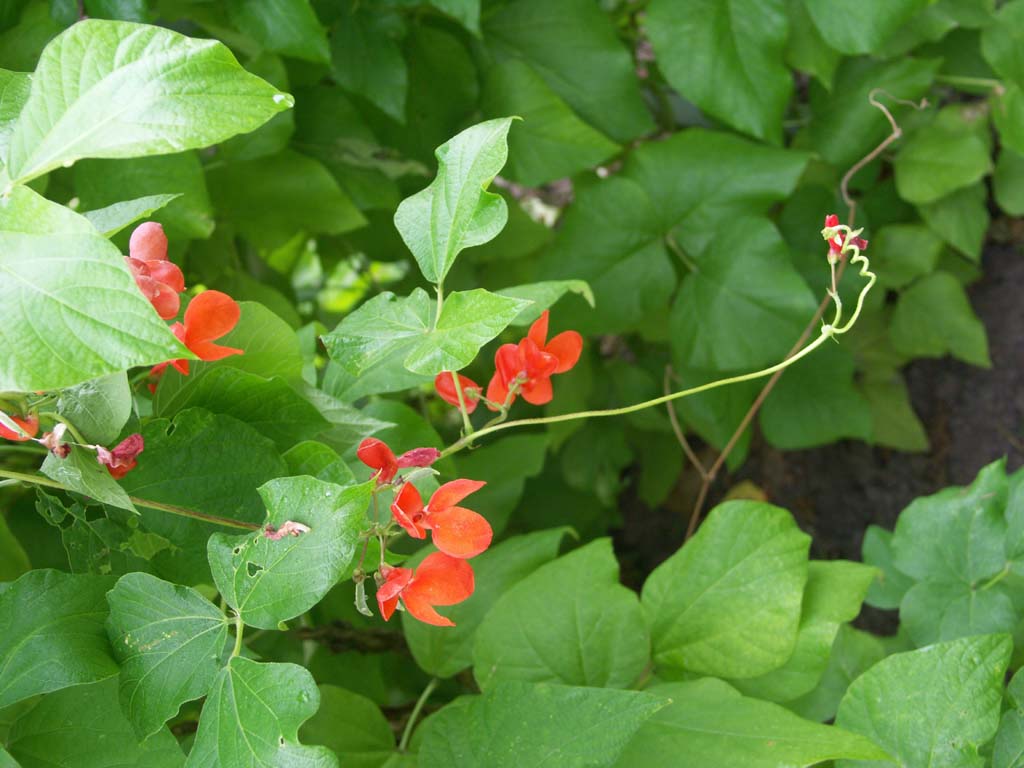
<point x="239" y="633"/>
<point x="996" y="579"/>
<point x="415" y="714"/>
<point x="71" y="427"/>
<point x="174" y="510"/>
<point x="980" y="82"/>
<point x="440" y="303"/>
<point x="466" y="423"/>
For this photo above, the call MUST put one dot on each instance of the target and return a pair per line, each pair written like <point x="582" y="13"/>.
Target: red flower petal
<point x="566" y="347"/>
<point x="387" y="593"/>
<point x="165" y="301"/>
<point x="209" y="316"/>
<point x="508" y="363"/>
<point x="538" y="391"/>
<point x="445" y="387"/>
<point x="441" y="580"/>
<point x="168" y="273"/>
<point x="377" y="455"/>
<point x="497" y="391"/>
<point x="536" y="362"/>
<point x="408" y="512"/>
<point x="831" y="220"/>
<point x="28" y="423"/>
<point x="148" y="242"/>
<point x="460" y="532"/>
<point x="539" y="330"/>
<point x="419" y="457"/>
<point x="450" y="494"/>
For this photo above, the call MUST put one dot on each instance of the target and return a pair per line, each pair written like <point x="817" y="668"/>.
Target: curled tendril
<point x="856" y="257"/>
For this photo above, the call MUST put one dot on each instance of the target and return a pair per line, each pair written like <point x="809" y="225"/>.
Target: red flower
<point x="159" y="280"/>
<point x="533" y="362"/>
<point x="377" y="455"/>
<point x="28" y="423"/>
<point x="457" y="531"/>
<point x="835" y="241"/>
<point x="123" y="458"/>
<point x="439" y="580"/>
<point x="445" y="387"/>
<point x="209" y="316"/>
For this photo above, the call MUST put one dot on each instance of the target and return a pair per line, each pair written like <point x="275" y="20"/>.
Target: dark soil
<point x="973" y="416"/>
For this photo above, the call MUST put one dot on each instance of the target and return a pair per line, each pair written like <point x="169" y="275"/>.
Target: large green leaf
<point x="366" y="59"/>
<point x="901" y="253"/>
<point x="53" y="634"/>
<point x="523" y="725"/>
<point x="727" y="58"/>
<point x="289" y="27"/>
<point x="352" y="726"/>
<point x="961" y="219"/>
<point x="934" y="318"/>
<point x="446" y="651"/>
<point x="931" y="708"/>
<point x="168" y="640"/>
<point x="938" y="160"/>
<point x="81" y="472"/>
<point x="714" y="726"/>
<point x="570" y="621"/>
<point x="14" y="89"/>
<point x="98" y="408"/>
<point x="744" y="304"/>
<point x="83" y="727"/>
<point x="728" y="603"/>
<point x="1001" y="42"/>
<point x="456" y="211"/>
<point x="862" y="26"/>
<point x="69" y="308"/>
<point x="137" y="90"/>
<point x="252" y="716"/>
<point x="269" y="582"/>
<point x="111" y="219"/>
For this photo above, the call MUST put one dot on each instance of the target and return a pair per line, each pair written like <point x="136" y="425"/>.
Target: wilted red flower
<point x="457" y="531"/>
<point x="445" y="386"/>
<point x="533" y="361"/>
<point x="123" y="457"/>
<point x="28" y="423"/>
<point x="209" y="316"/>
<point x="835" y="240"/>
<point x="159" y="280"/>
<point x="289" y="528"/>
<point x="377" y="455"/>
<point x="439" y="580"/>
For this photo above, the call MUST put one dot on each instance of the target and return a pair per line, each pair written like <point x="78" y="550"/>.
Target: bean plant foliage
<point x="333" y="332"/>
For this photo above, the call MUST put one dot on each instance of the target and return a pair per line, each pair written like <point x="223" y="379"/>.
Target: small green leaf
<point x="111" y="219"/>
<point x="1001" y="42"/>
<point x="544" y="295"/>
<point x="1008" y="750"/>
<point x="68" y="304"/>
<point x="98" y="408"/>
<point x="81" y="472"/>
<point x="456" y="211"/>
<point x="367" y="61"/>
<point x="570" y="621"/>
<point x="252" y="717"/>
<point x="446" y="651"/>
<point x="1009" y="182"/>
<point x="934" y="318"/>
<point x="727" y="58"/>
<point x="728" y="603"/>
<point x="892" y="584"/>
<point x="524" y="725"/>
<point x="901" y="253"/>
<point x="861" y="27"/>
<point x="961" y="219"/>
<point x="466" y="12"/>
<point x="932" y="707"/>
<point x="60" y="641"/>
<point x="141" y="90"/>
<point x="168" y="641"/>
<point x="352" y="726"/>
<point x="289" y="27"/>
<point x="83" y="727"/>
<point x="894" y="423"/>
<point x="269" y="582"/>
<point x="936" y="161"/>
<point x="714" y="726"/>
<point x="320" y="461"/>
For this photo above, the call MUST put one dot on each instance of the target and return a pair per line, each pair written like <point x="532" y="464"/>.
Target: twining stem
<point x="979" y="82"/>
<point x="173" y="509"/>
<point x="239" y="632"/>
<point x="415" y="714"/>
<point x="466" y="423"/>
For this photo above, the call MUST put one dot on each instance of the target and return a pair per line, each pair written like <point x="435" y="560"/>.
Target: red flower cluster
<point x="835" y="238"/>
<point x="29" y="423"/>
<point x="443" y="578"/>
<point x="159" y="280"/>
<point x="526" y="367"/>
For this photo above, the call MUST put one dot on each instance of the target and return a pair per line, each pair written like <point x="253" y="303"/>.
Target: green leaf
<point x="389" y="333"/>
<point x="269" y="582"/>
<point x="14" y="89"/>
<point x="366" y="60"/>
<point x="208" y="462"/>
<point x="861" y="27"/>
<point x="319" y="461"/>
<point x="727" y="58"/>
<point x="1009" y="182"/>
<point x="961" y="219"/>
<point x="728" y="603"/>
<point x="141" y="90"/>
<point x="892" y="584"/>
<point x="352" y="726"/>
<point x="98" y="408"/>
<point x="544" y="295"/>
<point x="269" y="199"/>
<point x="834" y="593"/>
<point x="932" y="707"/>
<point x="13" y="559"/>
<point x="446" y="651"/>
<point x="168" y="641"/>
<point x="934" y="318"/>
<point x="456" y="211"/>
<point x="59" y="642"/>
<point x="289" y="27"/>
<point x="1008" y="115"/>
<point x="713" y="726"/>
<point x="806" y="49"/>
<point x="523" y="725"/>
<point x="936" y="161"/>
<point x="687" y="188"/>
<point x="570" y="621"/>
<point x="894" y="423"/>
<point x="815" y="402"/>
<point x="81" y="472"/>
<point x="57" y="271"/>
<point x="111" y="219"/>
<point x="100" y="183"/>
<point x="466" y="12"/>
<point x="743" y="306"/>
<point x="82" y="727"/>
<point x="553" y="142"/>
<point x="901" y="253"/>
<point x="575" y="47"/>
<point x="252" y="717"/>
<point x="1008" y="750"/>
<point x="1001" y="42"/>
